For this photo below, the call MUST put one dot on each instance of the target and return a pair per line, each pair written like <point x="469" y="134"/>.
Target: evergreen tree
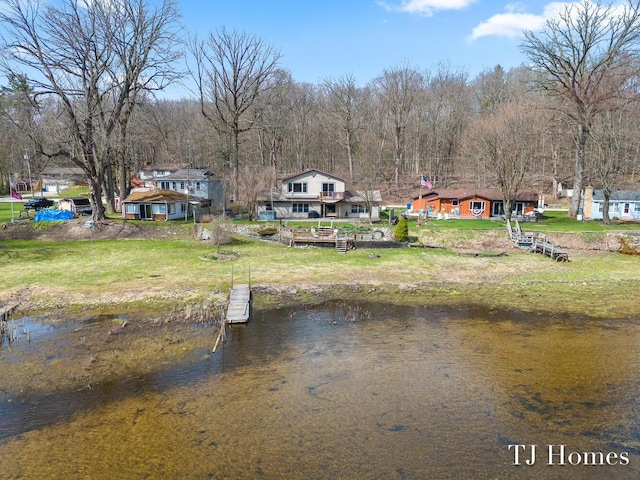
<point x="401" y="233"/>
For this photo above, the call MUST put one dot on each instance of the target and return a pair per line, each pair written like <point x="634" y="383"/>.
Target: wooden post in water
<point x="221" y="333"/>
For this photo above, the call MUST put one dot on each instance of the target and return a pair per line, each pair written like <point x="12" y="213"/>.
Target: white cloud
<point x="426" y="7"/>
<point x="508" y="25"/>
<point x="516" y="20"/>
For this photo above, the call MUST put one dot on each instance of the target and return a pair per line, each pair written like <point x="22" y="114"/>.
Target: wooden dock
<point x="551" y="251"/>
<point x="239" y="309"/>
<point x="536" y="243"/>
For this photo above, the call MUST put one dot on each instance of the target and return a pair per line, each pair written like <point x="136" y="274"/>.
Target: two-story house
<point x="197" y="183"/>
<point x="315" y="194"/>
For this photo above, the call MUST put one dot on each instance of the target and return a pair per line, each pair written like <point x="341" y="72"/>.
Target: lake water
<point x="355" y="391"/>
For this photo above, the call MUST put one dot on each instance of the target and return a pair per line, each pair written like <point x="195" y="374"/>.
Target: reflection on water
<point x="359" y="391"/>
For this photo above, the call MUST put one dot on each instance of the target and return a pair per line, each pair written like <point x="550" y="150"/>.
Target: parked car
<point x="77" y="205"/>
<point x="37" y="203"/>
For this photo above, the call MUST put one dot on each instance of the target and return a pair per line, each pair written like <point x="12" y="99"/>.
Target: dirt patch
<point x="78" y="229"/>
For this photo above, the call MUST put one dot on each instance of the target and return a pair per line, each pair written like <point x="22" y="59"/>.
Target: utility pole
<point x="26" y="158"/>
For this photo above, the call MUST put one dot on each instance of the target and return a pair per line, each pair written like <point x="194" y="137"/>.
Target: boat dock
<point x="239" y="308"/>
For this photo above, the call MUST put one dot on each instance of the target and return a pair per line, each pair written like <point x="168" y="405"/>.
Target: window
<point x="297" y="187"/>
<point x="159" y="209"/>
<point x="197" y="185"/>
<point x="172" y="208"/>
<point x="477" y="208"/>
<point x="164" y="185"/>
<point x="358" y="208"/>
<point x="455" y="203"/>
<point x="174" y="186"/>
<point x="626" y="208"/>
<point x="637" y="207"/>
<point x="328" y="189"/>
<point x="132" y="208"/>
<point x="600" y="207"/>
<point x="300" y="208"/>
<point x="181" y="185"/>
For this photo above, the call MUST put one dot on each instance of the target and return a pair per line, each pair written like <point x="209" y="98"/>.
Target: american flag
<point x="425" y="182"/>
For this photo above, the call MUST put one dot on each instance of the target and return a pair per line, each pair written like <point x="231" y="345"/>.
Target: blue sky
<point x="321" y="39"/>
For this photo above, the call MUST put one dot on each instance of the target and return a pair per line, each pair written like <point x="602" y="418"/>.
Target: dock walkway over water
<point x="239" y="308"/>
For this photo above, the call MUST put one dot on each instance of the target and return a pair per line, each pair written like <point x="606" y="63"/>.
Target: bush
<point x="401" y="233"/>
<point x="266" y="231"/>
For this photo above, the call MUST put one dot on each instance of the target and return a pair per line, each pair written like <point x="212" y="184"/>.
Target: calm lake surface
<point x="353" y="391"/>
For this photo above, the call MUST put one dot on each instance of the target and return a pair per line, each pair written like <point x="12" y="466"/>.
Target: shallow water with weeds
<point x="345" y="390"/>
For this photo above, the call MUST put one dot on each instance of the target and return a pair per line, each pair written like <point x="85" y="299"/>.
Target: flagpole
<point x="12" y="221"/>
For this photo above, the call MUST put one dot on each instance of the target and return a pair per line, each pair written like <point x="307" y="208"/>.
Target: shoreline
<point x="193" y="305"/>
<point x="134" y="338"/>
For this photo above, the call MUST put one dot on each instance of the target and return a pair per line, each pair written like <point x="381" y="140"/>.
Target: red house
<point x="471" y="203"/>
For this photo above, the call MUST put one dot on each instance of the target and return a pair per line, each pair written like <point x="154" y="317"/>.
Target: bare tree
<point x="93" y="57"/>
<point x="506" y="142"/>
<point x="446" y="114"/>
<point x="305" y="105"/>
<point x="273" y="112"/>
<point x="582" y="58"/>
<point x="343" y="105"/>
<point x="254" y="181"/>
<point x="232" y="69"/>
<point x="398" y="90"/>
<point x="613" y="141"/>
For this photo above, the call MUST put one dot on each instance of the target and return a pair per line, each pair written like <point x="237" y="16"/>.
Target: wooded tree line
<point x="83" y="81"/>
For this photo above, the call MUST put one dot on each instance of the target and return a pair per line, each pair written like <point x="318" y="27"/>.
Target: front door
<point x="330" y="210"/>
<point x="145" y="211"/>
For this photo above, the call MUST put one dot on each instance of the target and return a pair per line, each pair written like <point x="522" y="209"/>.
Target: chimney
<point x="588" y="202"/>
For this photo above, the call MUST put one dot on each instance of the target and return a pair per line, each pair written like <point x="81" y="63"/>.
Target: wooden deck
<point x="323" y="235"/>
<point x="524" y="239"/>
<point x="239" y="309"/>
<point x="551" y="251"/>
<point x="536" y="243"/>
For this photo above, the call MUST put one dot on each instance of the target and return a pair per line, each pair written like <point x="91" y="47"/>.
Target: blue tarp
<point x="53" y="216"/>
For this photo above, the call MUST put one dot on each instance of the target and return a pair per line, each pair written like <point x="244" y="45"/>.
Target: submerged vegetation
<point x="141" y="302"/>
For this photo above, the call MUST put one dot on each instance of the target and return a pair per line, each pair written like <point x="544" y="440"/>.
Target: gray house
<point x="197" y="183"/>
<point x="623" y="204"/>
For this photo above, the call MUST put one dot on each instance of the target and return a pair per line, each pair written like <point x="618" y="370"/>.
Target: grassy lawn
<point x="159" y="273"/>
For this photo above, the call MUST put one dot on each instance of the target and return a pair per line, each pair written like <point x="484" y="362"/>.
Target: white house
<point x="58" y="179"/>
<point x="623" y="204"/>
<point x="315" y="194"/>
